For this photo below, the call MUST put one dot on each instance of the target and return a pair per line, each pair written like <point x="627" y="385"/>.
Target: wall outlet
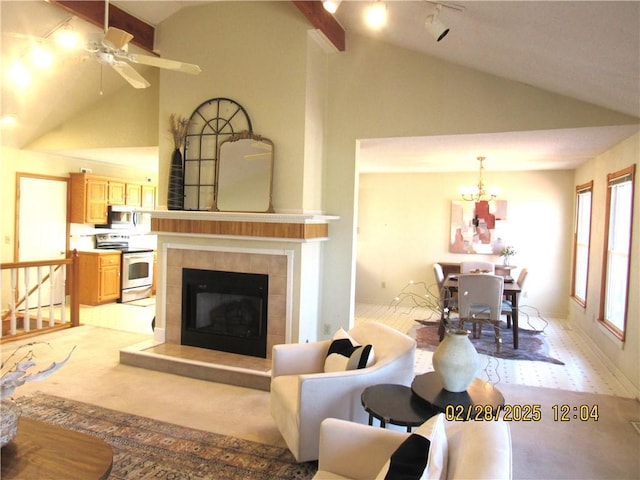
<point x="326" y="329"/>
<point x="383" y="284"/>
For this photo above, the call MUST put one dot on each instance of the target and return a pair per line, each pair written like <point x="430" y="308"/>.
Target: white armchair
<point x="475" y="450"/>
<point x="302" y="395"/>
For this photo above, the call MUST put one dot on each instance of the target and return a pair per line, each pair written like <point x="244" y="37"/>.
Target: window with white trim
<point x="617" y="250"/>
<point x="581" y="243"/>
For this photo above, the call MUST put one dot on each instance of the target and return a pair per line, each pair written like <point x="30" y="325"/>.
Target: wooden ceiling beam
<point x="93" y="12"/>
<point x="323" y="21"/>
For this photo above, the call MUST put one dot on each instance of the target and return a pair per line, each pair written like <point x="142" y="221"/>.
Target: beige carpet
<point x="606" y="449"/>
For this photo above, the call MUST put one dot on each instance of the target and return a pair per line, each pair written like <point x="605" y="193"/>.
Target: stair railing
<point x="22" y="293"/>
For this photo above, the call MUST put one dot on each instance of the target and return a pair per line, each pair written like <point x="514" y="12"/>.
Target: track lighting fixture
<point x="434" y="26"/>
<point x="376" y="15"/>
<point x="331" y="6"/>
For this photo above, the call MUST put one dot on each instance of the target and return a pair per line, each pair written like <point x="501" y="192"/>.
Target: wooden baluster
<point x="39" y="316"/>
<point x="26" y="321"/>
<point x="51" y="296"/>
<point x="14" y="294"/>
<point x="63" y="287"/>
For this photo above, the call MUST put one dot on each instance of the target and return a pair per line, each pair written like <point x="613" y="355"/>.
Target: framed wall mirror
<point x="244" y="174"/>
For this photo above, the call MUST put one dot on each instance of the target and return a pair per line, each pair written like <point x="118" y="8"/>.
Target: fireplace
<point x="225" y="311"/>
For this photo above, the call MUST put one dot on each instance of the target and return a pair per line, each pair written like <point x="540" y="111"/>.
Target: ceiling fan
<point x="113" y="50"/>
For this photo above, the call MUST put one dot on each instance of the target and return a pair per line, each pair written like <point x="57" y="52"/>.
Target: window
<point x="581" y="243"/>
<point x="617" y="250"/>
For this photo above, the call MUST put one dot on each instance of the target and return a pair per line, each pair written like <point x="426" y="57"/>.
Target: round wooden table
<point x="395" y="404"/>
<point x="44" y="451"/>
<point x="480" y="394"/>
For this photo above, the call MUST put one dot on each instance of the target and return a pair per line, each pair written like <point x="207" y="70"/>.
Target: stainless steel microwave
<point x="121" y="217"/>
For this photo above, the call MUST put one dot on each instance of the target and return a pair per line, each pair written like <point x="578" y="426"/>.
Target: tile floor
<point x="583" y="371"/>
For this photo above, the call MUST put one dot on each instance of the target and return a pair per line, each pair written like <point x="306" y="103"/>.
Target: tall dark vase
<point x="175" y="197"/>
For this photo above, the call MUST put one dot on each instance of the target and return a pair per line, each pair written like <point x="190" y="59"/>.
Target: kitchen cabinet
<point x="105" y="268"/>
<point x="148" y="197"/>
<point x="117" y="192"/>
<point x="91" y="196"/>
<point x="133" y="195"/>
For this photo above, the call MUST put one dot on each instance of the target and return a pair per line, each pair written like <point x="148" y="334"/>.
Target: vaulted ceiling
<point x="589" y="51"/>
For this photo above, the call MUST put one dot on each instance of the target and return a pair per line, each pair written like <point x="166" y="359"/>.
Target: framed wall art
<point x="478" y="227"/>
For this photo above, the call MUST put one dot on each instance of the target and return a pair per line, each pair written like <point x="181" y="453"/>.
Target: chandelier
<point x="478" y="193"/>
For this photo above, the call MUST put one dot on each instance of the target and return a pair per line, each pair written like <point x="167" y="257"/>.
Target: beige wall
<point x="623" y="357"/>
<point x="127" y="118"/>
<point x="377" y="90"/>
<point x="254" y="53"/>
<point x="404" y="227"/>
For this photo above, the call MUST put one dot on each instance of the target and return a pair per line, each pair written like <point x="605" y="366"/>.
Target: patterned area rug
<point x="532" y="345"/>
<point x="148" y="449"/>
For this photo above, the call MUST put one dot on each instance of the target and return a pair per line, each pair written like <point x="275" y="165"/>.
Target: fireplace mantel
<point x="281" y="226"/>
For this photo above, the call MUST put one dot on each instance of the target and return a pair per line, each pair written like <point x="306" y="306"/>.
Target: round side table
<point x="429" y="388"/>
<point x="395" y="404"/>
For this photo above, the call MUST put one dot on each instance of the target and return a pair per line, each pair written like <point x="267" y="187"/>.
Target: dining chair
<point x="507" y="308"/>
<point x="446" y="299"/>
<point x="471" y="265"/>
<point x="480" y="301"/>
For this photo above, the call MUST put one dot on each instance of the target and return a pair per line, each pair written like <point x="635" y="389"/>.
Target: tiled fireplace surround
<point x="286" y="247"/>
<point x="273" y="265"/>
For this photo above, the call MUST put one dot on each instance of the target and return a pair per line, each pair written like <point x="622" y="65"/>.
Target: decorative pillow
<point x="347" y="354"/>
<point x="423" y="455"/>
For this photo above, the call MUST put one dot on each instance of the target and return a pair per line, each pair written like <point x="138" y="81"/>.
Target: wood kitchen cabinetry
<point x="92" y="194"/>
<point x="117" y="192"/>
<point x="133" y="195"/>
<point x="99" y="274"/>
<point x="148" y="201"/>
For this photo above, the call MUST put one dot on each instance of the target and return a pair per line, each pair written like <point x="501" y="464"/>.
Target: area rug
<point x="146" y="449"/>
<point x="532" y="345"/>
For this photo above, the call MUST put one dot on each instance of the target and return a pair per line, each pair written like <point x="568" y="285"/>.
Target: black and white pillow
<point x="422" y="456"/>
<point x="347" y="354"/>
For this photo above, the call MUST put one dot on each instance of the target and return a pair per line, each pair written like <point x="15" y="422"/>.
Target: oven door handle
<point x="138" y="255"/>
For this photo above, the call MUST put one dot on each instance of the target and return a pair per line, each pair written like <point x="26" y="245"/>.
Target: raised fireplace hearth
<point x="284" y="247"/>
<point x="225" y="311"/>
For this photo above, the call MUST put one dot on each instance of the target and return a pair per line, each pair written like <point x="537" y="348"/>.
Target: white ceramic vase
<point x="456" y="361"/>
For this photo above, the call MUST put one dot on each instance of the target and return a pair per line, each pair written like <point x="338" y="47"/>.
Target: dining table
<point x="511" y="292"/>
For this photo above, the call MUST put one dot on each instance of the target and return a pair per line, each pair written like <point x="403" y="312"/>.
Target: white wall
<point x="404" y="227"/>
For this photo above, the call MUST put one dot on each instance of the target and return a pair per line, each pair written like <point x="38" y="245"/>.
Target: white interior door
<point x="42" y="230"/>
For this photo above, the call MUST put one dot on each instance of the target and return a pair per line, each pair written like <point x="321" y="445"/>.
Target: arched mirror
<point x="244" y="174"/>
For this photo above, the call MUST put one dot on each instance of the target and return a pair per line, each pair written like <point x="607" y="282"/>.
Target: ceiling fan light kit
<point x="111" y="50"/>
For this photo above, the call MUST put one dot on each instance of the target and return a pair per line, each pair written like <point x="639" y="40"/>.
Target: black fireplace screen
<point x="225" y="311"/>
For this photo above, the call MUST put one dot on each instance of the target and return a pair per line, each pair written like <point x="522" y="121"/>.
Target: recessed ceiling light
<point x="8" y="120"/>
<point x="66" y="37"/>
<point x="19" y="75"/>
<point x="41" y="57"/>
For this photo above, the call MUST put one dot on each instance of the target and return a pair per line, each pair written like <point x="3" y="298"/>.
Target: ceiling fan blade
<point x="165" y="63"/>
<point x="130" y="75"/>
<point x="116" y="38"/>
